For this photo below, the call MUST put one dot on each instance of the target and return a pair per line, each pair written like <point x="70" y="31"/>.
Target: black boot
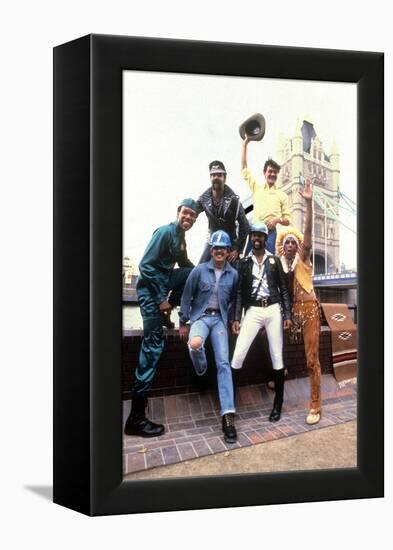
<point x="228" y="427"/>
<point x="138" y="424"/>
<point x="235" y="382"/>
<point x="279" y="376"/>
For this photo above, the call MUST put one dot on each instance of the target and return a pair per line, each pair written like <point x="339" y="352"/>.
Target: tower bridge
<point x="303" y="156"/>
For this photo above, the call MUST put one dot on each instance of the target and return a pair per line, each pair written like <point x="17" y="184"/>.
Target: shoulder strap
<point x="255" y="294"/>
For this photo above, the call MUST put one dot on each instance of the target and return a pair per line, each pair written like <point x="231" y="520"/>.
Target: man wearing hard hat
<point x="208" y="294"/>
<point x="263" y="294"/>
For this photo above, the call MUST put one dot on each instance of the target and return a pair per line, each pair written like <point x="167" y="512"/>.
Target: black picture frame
<point x="88" y="278"/>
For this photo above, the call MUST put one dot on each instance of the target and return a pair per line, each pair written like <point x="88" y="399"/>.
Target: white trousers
<point x="256" y="318"/>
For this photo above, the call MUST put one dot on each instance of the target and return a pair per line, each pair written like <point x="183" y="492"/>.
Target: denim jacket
<point x="198" y="288"/>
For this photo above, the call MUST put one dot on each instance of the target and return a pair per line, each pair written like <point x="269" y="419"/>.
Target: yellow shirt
<point x="269" y="202"/>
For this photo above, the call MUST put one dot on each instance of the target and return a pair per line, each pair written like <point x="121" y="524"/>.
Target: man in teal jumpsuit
<point x="157" y="279"/>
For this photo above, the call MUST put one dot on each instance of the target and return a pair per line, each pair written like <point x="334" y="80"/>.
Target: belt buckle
<point x="264" y="302"/>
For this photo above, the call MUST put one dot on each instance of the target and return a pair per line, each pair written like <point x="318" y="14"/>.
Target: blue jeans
<point x="213" y="325"/>
<point x="271" y="241"/>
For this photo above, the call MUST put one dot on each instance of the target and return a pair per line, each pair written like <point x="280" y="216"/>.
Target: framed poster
<point x="136" y="123"/>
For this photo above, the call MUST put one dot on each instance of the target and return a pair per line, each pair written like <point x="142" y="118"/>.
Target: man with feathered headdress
<point x="294" y="250"/>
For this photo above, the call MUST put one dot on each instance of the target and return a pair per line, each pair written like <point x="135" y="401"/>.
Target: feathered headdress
<point x="284" y="235"/>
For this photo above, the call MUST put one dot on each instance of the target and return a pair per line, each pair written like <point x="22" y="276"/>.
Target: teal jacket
<point x="166" y="248"/>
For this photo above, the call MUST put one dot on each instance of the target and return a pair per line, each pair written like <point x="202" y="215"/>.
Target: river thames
<point x="132" y="319"/>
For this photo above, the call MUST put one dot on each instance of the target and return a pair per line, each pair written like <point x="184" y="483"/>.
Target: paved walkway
<point x="327" y="448"/>
<point x="193" y="422"/>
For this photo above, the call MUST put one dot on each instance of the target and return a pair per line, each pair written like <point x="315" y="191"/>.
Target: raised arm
<point x="247" y="176"/>
<point x="307" y="194"/>
<point x="243" y="158"/>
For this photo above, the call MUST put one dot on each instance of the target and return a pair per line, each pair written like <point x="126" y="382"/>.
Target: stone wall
<point x="175" y="373"/>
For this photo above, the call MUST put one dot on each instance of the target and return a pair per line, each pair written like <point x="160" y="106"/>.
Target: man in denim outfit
<point x="208" y="294"/>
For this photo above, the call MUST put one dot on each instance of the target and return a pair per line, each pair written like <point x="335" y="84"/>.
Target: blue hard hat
<point x="220" y="238"/>
<point x="259" y="227"/>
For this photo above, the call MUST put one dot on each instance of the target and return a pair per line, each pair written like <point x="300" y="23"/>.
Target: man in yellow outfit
<point x="270" y="205"/>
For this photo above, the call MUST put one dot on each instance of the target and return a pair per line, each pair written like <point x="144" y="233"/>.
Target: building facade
<point x="128" y="271"/>
<point x="304" y="156"/>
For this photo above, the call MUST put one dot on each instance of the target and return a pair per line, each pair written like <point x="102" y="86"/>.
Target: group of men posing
<point x="272" y="284"/>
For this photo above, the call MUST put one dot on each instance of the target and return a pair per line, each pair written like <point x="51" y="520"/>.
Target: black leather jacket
<point x="276" y="281"/>
<point x="233" y="212"/>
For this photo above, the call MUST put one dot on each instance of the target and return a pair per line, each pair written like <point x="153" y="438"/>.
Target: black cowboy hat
<point x="254" y="127"/>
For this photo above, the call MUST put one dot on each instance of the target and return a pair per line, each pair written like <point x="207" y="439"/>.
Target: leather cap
<point x="254" y="127"/>
<point x="217" y="167"/>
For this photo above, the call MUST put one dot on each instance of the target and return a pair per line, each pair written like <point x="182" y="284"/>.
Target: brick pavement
<point x="193" y="422"/>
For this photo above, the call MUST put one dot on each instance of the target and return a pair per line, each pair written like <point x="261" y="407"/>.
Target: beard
<point x="217" y="185"/>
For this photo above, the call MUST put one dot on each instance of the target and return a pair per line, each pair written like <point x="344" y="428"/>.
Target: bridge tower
<point x="304" y="155"/>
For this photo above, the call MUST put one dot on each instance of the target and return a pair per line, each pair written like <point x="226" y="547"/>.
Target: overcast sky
<point x="175" y="124"/>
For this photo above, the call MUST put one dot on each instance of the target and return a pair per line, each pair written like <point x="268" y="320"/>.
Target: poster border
<point x="88" y="295"/>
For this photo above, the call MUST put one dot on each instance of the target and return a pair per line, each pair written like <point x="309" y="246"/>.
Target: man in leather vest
<point x="224" y="212"/>
<point x="263" y="294"/>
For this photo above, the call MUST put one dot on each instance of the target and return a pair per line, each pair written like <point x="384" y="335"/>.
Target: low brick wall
<point x="175" y="373"/>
